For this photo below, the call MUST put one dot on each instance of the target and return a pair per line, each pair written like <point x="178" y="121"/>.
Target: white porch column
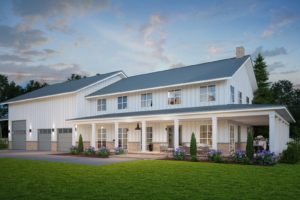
<point x="74" y="134"/>
<point x="144" y="136"/>
<point x="93" y="138"/>
<point x="176" y="133"/>
<point x="116" y="134"/>
<point x="214" y="132"/>
<point x="272" y="133"/>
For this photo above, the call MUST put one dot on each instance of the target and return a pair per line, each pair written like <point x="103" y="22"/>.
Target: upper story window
<point x="247" y="100"/>
<point x="101" y="104"/>
<point x="122" y="102"/>
<point x="146" y="100"/>
<point x="240" y="98"/>
<point x="231" y="94"/>
<point x="174" y="97"/>
<point x="207" y="93"/>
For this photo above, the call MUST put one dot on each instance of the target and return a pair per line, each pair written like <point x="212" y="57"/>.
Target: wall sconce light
<point x="127" y="129"/>
<point x="8" y="131"/>
<point x="52" y="130"/>
<point x="75" y="129"/>
<point x="30" y="130"/>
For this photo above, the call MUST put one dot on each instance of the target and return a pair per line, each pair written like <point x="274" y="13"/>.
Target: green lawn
<point x="24" y="179"/>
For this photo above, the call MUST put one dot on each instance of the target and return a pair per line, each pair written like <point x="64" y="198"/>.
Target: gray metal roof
<point x="200" y="72"/>
<point x="228" y="107"/>
<point x="60" y="88"/>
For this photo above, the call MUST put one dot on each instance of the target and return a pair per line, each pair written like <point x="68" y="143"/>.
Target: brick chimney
<point x="240" y="52"/>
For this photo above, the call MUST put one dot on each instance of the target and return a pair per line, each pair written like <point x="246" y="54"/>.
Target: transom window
<point x="146" y="100"/>
<point x="123" y="136"/>
<point x="232" y="94"/>
<point x="149" y="136"/>
<point x="102" y="137"/>
<point x="240" y="98"/>
<point x="122" y="102"/>
<point x="44" y="131"/>
<point x="174" y="97"/>
<point x="206" y="135"/>
<point x="64" y="130"/>
<point x="207" y="93"/>
<point x="101" y="104"/>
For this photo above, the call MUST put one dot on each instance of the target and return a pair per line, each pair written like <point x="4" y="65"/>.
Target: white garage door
<point x="19" y="135"/>
<point x="64" y="139"/>
<point x="44" y="139"/>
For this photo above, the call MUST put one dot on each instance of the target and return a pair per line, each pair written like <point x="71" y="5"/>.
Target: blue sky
<point x="49" y="40"/>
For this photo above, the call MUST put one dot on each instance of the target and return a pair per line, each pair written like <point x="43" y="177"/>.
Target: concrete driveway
<point x="48" y="156"/>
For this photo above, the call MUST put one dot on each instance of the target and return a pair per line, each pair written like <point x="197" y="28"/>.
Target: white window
<point x="149" y="136"/>
<point x="101" y="104"/>
<point x="240" y="98"/>
<point x="207" y="93"/>
<point x="102" y="137"/>
<point x="174" y="97"/>
<point x="247" y="100"/>
<point x="146" y="100"/>
<point x="206" y="134"/>
<point x="232" y="94"/>
<point x="123" y="137"/>
<point x="122" y="102"/>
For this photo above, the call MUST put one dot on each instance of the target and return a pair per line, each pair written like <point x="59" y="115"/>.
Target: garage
<point x="64" y="139"/>
<point x="44" y="139"/>
<point x="19" y="135"/>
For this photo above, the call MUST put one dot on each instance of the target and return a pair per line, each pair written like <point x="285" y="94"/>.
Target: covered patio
<point x="215" y="127"/>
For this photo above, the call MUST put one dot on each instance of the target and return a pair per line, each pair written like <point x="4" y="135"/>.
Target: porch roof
<point x="281" y="110"/>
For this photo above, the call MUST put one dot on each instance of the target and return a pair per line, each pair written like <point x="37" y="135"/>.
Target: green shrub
<point x="89" y="151"/>
<point x="291" y="154"/>
<point x="265" y="157"/>
<point x="74" y="150"/>
<point x="249" y="147"/>
<point x="80" y="144"/>
<point x="179" y="154"/>
<point x="215" y="156"/>
<point x="103" y="152"/>
<point x="193" y="148"/>
<point x="240" y="156"/>
<point x="3" y="145"/>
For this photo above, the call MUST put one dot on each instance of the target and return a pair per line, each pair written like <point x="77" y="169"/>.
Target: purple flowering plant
<point x="179" y="153"/>
<point x="240" y="156"/>
<point x="215" y="155"/>
<point x="103" y="152"/>
<point x="74" y="150"/>
<point x="265" y="157"/>
<point x="119" y="150"/>
<point x="89" y="151"/>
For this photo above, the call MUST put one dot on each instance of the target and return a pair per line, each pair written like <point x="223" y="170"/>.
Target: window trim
<point x="247" y="100"/>
<point x="177" y="100"/>
<point x="207" y="138"/>
<point x="102" y="140"/>
<point x="240" y="96"/>
<point x="232" y="94"/>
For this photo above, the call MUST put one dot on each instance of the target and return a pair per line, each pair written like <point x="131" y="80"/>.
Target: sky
<point x="49" y="40"/>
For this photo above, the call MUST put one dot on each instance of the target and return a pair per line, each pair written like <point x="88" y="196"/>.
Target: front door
<point x="231" y="139"/>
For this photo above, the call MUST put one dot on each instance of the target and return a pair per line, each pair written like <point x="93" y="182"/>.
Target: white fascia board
<point x="66" y="93"/>
<point x="156" y="88"/>
<point x="176" y="115"/>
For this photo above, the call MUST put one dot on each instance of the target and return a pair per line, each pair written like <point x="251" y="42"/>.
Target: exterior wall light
<point x="30" y="130"/>
<point x="52" y="130"/>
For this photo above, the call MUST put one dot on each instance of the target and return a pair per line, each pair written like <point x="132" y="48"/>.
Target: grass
<point x="24" y="179"/>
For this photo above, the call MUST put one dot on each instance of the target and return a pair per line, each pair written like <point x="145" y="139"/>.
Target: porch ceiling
<point x="261" y="120"/>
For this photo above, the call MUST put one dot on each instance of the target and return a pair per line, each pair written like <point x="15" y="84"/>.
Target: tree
<point x="34" y="85"/>
<point x="76" y="77"/>
<point x="249" y="146"/>
<point x="193" y="148"/>
<point x="263" y="94"/>
<point x="283" y="92"/>
<point x="80" y="144"/>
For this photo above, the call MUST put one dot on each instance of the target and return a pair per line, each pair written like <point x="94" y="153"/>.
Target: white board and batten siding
<point x="53" y="112"/>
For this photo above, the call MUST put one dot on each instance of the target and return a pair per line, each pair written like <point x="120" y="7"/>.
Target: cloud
<point x="56" y="14"/>
<point x="214" y="50"/>
<point x="269" y="53"/>
<point x="155" y="37"/>
<point x="40" y="54"/>
<point x="13" y="58"/>
<point x="274" y="66"/>
<point x="177" y="65"/>
<point x="15" y="38"/>
<point x="281" y="19"/>
<point x="49" y="73"/>
<point x="290" y="71"/>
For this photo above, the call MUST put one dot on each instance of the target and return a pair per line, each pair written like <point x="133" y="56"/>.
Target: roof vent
<point x="240" y="52"/>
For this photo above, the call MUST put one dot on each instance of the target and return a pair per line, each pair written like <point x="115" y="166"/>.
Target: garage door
<point x="19" y="135"/>
<point x="64" y="139"/>
<point x="44" y="139"/>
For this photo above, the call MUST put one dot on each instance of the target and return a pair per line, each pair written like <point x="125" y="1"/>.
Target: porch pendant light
<point x="137" y="127"/>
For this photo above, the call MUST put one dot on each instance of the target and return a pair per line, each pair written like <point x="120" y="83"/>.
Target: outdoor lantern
<point x="137" y="127"/>
<point x="8" y="131"/>
<point x="30" y="130"/>
<point x="52" y="129"/>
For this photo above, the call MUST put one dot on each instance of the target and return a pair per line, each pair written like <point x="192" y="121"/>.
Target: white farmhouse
<point x="163" y="108"/>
